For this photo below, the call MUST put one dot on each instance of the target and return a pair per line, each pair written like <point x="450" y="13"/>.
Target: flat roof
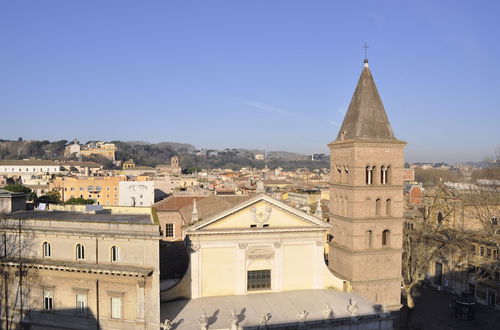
<point x="283" y="308"/>
<point x="81" y="217"/>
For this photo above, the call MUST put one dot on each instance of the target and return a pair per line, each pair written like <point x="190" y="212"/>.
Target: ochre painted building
<point x="103" y="189"/>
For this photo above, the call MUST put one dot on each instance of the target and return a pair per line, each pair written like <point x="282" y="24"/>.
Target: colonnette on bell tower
<point x="366" y="198"/>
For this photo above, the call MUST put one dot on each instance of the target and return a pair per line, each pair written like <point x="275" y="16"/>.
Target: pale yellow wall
<point x="298" y="267"/>
<point x="219" y="271"/>
<point x="243" y="218"/>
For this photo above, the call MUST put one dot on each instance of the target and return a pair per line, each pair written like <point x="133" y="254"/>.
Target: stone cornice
<point x="84" y="233"/>
<point x="75" y="267"/>
<point x="255" y="231"/>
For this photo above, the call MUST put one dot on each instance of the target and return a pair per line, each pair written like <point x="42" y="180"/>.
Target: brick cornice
<point x="347" y="250"/>
<point x="366" y="187"/>
<point x="364" y="220"/>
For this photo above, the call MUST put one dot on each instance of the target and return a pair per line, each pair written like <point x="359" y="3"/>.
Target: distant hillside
<point x="21" y="149"/>
<point x="286" y="155"/>
<point x="144" y="153"/>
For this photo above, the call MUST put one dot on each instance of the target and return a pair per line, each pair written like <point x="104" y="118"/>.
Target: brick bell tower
<point x="366" y="198"/>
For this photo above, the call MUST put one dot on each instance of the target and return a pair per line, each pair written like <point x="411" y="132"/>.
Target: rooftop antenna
<point x="366" y="52"/>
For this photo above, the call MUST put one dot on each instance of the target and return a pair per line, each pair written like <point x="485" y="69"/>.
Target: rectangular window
<point x="169" y="230"/>
<point x="259" y="280"/>
<point x="488" y="253"/>
<point x="81" y="302"/>
<point x="48" y="298"/>
<point x="481" y="251"/>
<point x="116" y="308"/>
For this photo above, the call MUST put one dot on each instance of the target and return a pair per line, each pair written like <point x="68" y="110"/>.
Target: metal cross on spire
<point x="366" y="52"/>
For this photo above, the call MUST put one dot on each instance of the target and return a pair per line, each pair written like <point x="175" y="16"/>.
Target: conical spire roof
<point x="366" y="118"/>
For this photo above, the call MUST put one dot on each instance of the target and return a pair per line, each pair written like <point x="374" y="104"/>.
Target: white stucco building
<point x="28" y="167"/>
<point x="136" y="193"/>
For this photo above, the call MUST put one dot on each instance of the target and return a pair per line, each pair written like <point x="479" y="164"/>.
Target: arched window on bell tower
<point x="378" y="206"/>
<point x="369" y="239"/>
<point x="386" y="237"/>
<point x="374" y="175"/>
<point x="369" y="175"/>
<point x="383" y="175"/>
<point x="345" y="206"/>
<point x="388" y="206"/>
<point x="388" y="175"/>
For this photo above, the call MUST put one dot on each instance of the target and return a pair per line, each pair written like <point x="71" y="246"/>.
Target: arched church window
<point x="115" y="253"/>
<point x="388" y="175"/>
<point x="345" y="206"/>
<point x="388" y="205"/>
<point x="386" y="237"/>
<point x="46" y="250"/>
<point x="369" y="175"/>
<point x="383" y="175"/>
<point x="374" y="175"/>
<point x="369" y="238"/>
<point x="80" y="252"/>
<point x="378" y="205"/>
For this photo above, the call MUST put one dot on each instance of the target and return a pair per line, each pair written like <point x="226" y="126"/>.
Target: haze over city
<point x="259" y="75"/>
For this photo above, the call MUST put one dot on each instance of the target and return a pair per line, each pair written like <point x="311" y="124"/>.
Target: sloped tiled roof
<point x="174" y="203"/>
<point x="210" y="206"/>
<point x="29" y="162"/>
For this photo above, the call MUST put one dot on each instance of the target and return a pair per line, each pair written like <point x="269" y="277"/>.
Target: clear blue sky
<point x="274" y="75"/>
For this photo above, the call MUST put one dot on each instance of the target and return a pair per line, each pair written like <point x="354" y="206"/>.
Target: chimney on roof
<point x="194" y="214"/>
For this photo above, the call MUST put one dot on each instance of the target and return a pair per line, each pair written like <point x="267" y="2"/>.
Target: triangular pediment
<point x="259" y="212"/>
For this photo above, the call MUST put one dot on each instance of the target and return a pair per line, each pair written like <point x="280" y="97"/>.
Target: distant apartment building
<point x="303" y="197"/>
<point x="106" y="150"/>
<point x="103" y="190"/>
<point x="72" y="150"/>
<point x="136" y="193"/>
<point x="28" y="167"/>
<point x="170" y="184"/>
<point x="81" y="167"/>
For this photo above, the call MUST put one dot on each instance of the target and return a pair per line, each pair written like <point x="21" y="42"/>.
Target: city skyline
<point x="207" y="74"/>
